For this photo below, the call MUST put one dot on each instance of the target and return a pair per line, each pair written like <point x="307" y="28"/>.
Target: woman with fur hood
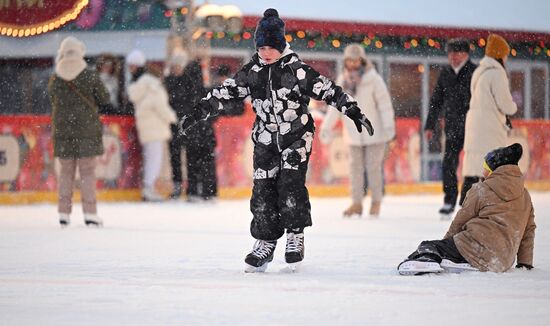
<point x="153" y="116"/>
<point x="490" y="104"/>
<point x="76" y="94"/>
<point x="361" y="80"/>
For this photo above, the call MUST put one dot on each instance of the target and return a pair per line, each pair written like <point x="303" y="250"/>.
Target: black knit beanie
<point x="503" y="156"/>
<point x="271" y="31"/>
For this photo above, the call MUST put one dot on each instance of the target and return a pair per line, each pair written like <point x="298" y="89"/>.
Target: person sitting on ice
<point x="495" y="224"/>
<point x="280" y="85"/>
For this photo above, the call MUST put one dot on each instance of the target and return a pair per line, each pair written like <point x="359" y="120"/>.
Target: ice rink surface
<point x="177" y="263"/>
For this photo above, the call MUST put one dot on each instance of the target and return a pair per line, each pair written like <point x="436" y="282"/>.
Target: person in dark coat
<point x="76" y="94"/>
<point x="451" y="97"/>
<point x="280" y="86"/>
<point x="185" y="89"/>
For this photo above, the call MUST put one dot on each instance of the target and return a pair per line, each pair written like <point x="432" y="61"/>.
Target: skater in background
<point x="108" y="68"/>
<point x="495" y="225"/>
<point x="153" y="116"/>
<point x="486" y="122"/>
<point x="76" y="94"/>
<point x="360" y="80"/>
<point x="280" y="86"/>
<point x="451" y="97"/>
<point x="185" y="89"/>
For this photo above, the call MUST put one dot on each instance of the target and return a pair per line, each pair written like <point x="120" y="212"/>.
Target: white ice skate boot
<point x="419" y="266"/>
<point x="260" y="256"/>
<point x="150" y="194"/>
<point x="64" y="220"/>
<point x="452" y="267"/>
<point x="93" y="220"/>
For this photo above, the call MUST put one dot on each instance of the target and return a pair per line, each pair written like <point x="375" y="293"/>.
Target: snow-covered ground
<point x="179" y="263"/>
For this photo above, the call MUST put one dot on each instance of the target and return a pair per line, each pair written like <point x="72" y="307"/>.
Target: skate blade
<point x="291" y="268"/>
<point x="418" y="268"/>
<point x="254" y="269"/>
<point x="446" y="217"/>
<point x="456" y="268"/>
<point x="96" y="225"/>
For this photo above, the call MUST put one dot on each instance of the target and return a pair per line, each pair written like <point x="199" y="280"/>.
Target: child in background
<point x="495" y="224"/>
<point x="280" y="85"/>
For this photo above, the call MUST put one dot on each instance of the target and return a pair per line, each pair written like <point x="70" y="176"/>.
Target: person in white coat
<point x="491" y="102"/>
<point x="361" y="80"/>
<point x="153" y="116"/>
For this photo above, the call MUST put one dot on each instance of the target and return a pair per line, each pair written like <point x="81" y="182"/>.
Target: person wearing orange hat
<point x="490" y="104"/>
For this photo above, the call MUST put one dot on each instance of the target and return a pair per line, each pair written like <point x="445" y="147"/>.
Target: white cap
<point x="136" y="57"/>
<point x="71" y="47"/>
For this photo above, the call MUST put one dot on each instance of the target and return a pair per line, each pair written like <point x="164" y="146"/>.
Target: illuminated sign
<point x="22" y="18"/>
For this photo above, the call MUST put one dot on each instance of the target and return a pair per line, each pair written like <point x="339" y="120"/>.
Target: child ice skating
<point x="280" y="86"/>
<point x="495" y="224"/>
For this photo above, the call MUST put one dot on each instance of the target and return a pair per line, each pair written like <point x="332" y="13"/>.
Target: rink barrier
<point x="134" y="195"/>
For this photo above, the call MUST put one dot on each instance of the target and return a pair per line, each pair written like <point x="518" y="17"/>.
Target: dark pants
<point x="453" y="146"/>
<point x="468" y="183"/>
<point x="201" y="169"/>
<point x="438" y="250"/>
<point x="201" y="172"/>
<point x="280" y="199"/>
<point x="176" y="148"/>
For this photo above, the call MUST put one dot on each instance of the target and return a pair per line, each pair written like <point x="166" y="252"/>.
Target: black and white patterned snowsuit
<point x="282" y="135"/>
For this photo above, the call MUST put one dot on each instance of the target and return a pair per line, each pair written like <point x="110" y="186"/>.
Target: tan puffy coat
<point x="496" y="222"/>
<point x="151" y="109"/>
<point x="374" y="100"/>
<point x="486" y="129"/>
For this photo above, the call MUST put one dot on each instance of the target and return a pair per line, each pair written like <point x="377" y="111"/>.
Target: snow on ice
<point x="180" y="263"/>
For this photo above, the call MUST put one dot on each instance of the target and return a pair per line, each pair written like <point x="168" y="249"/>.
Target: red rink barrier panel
<point x="27" y="163"/>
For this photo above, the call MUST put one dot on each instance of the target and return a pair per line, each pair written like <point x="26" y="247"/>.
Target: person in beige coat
<point x="153" y="116"/>
<point x="494" y="227"/>
<point x="490" y="104"/>
<point x="361" y="80"/>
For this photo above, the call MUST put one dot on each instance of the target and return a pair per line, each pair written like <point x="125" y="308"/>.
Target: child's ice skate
<point x="64" y="220"/>
<point x="451" y="267"/>
<point x="446" y="212"/>
<point x="260" y="256"/>
<point x="294" y="253"/>
<point x="419" y="266"/>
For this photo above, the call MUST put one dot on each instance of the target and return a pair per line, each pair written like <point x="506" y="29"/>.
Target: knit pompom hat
<point x="355" y="51"/>
<point x="271" y="31"/>
<point x="497" y="47"/>
<point x="503" y="156"/>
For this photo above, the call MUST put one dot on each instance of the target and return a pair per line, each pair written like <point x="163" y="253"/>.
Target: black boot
<point x="260" y="256"/>
<point x="176" y="193"/>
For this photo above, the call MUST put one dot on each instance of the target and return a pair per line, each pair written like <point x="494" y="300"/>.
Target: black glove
<point x="360" y="120"/>
<point x="188" y="121"/>
<point x="527" y="266"/>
